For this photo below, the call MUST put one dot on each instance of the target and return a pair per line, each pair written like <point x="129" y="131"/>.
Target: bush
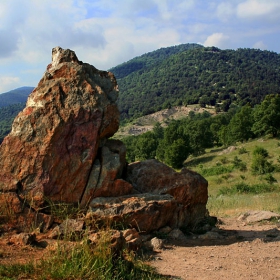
<point x="260" y="151"/>
<point x="260" y="165"/>
<point x="270" y="179"/>
<point x="242" y="150"/>
<point x="239" y="164"/>
<point x="224" y="160"/>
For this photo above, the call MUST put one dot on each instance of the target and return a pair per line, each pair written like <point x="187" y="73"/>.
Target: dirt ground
<point x="244" y="252"/>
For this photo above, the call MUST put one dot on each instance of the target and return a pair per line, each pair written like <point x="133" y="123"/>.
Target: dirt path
<point x="247" y="252"/>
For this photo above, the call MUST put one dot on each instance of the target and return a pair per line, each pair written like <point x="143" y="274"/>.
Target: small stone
<point x="177" y="234"/>
<point x="165" y="230"/>
<point x="157" y="244"/>
<point x="23" y="238"/>
<point x="210" y="235"/>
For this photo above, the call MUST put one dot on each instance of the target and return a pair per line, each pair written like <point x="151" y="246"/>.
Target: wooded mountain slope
<point x="15" y="96"/>
<point x="190" y="74"/>
<point x="182" y="75"/>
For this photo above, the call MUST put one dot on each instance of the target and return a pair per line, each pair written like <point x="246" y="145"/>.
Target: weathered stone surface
<point x="68" y="228"/>
<point x="132" y="239"/>
<point x="54" y="140"/>
<point x="23" y="239"/>
<point x="10" y="204"/>
<point x="145" y="212"/>
<point x="177" y="234"/>
<point x="114" y="239"/>
<point x="257" y="216"/>
<point x="187" y="187"/>
<point x="157" y="243"/>
<point x="105" y="177"/>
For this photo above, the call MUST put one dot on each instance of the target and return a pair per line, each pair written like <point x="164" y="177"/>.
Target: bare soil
<point x="246" y="251"/>
<point x="146" y="123"/>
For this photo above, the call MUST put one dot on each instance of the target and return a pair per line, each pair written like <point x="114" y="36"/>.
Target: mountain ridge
<point x="180" y="75"/>
<point x="18" y="95"/>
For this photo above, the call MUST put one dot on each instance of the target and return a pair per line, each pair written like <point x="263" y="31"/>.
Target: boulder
<point x="145" y="212"/>
<point x="55" y="140"/>
<point x="188" y="188"/>
<point x="257" y="216"/>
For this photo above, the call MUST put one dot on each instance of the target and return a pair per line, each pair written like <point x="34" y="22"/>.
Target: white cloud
<point x="225" y="11"/>
<point x="8" y="83"/>
<point x="218" y="40"/>
<point x="260" y="45"/>
<point x="256" y="9"/>
<point x="106" y="33"/>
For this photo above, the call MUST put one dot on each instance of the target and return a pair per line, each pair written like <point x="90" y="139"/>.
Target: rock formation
<point x="59" y="151"/>
<point x="165" y="198"/>
<point x="55" y="139"/>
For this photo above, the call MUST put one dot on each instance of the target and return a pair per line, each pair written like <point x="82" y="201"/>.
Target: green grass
<point x="82" y="261"/>
<point x="233" y="188"/>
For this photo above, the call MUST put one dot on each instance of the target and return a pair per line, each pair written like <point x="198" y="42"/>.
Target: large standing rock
<point x="54" y="140"/>
<point x="187" y="187"/>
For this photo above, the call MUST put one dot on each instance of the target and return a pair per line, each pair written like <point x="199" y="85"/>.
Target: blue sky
<point x="106" y="33"/>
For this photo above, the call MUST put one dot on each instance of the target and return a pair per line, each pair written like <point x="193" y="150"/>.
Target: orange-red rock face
<point x="54" y="140"/>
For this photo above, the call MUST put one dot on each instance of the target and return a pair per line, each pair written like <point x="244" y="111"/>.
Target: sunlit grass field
<point x="231" y="182"/>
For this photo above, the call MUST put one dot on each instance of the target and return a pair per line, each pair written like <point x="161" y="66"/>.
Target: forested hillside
<point x="15" y="96"/>
<point x="11" y="103"/>
<point x="209" y="76"/>
<point x="192" y="135"/>
<point x="7" y="115"/>
<point x="183" y="75"/>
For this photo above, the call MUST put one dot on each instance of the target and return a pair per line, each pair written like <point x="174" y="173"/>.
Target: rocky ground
<point x="233" y="250"/>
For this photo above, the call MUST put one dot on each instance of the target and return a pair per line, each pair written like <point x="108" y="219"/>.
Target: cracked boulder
<point x="189" y="189"/>
<point x="52" y="149"/>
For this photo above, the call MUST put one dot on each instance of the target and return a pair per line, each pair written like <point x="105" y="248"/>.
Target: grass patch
<point x="231" y="185"/>
<point x="246" y="188"/>
<point x="82" y="261"/>
<point x="215" y="170"/>
<point x="236" y="204"/>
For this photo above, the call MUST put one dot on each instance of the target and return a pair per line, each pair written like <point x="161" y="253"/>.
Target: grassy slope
<point x="235" y="204"/>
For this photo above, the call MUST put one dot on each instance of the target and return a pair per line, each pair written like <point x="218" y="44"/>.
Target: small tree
<point x="176" y="154"/>
<point x="267" y="116"/>
<point x="260" y="164"/>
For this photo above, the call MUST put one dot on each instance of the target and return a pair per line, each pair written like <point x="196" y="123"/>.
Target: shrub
<point x="260" y="151"/>
<point x="239" y="164"/>
<point x="260" y="165"/>
<point x="224" y="160"/>
<point x="242" y="150"/>
<point x="270" y="179"/>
